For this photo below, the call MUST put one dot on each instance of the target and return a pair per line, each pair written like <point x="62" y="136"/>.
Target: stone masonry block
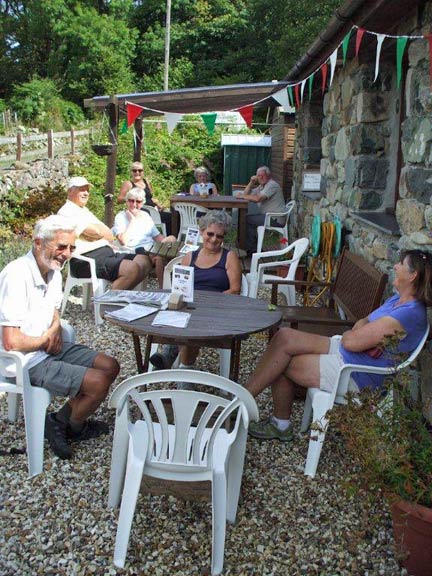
<point x="373" y="107"/>
<point x="416" y="183"/>
<point x="410" y="215"/>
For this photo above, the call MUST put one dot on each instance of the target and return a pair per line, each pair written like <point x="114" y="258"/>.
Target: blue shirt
<point x="413" y="319"/>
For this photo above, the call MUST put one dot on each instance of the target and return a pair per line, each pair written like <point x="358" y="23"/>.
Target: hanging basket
<point x="103" y="149"/>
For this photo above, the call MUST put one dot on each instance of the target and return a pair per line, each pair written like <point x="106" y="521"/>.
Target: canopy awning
<point x="195" y="100"/>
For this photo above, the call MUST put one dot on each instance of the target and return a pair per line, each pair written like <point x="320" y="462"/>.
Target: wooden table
<point x="214" y="203"/>
<point x="217" y="321"/>
<point x="170" y="250"/>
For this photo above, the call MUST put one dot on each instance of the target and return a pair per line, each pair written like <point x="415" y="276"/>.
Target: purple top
<point x="413" y="318"/>
<point x="214" y="279"/>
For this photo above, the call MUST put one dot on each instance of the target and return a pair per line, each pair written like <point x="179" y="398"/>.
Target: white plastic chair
<point x="318" y="402"/>
<point x="154" y="213"/>
<point x="35" y="400"/>
<point x="281" y="229"/>
<point x="257" y="276"/>
<point x="188" y="216"/>
<point x="97" y="285"/>
<point x="205" y="439"/>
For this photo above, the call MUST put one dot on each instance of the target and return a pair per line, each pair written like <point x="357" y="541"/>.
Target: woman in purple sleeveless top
<point x="215" y="268"/>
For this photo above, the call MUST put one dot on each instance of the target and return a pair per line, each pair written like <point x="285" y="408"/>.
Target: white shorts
<point x="330" y="364"/>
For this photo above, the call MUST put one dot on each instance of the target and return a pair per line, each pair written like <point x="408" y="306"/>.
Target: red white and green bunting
<point x="291" y="96"/>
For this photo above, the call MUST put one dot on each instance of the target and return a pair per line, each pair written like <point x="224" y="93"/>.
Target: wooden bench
<point x="356" y="291"/>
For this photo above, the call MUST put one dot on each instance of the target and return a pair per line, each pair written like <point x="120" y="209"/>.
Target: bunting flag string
<point x="291" y="97"/>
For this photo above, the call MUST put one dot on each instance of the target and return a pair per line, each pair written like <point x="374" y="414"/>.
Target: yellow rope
<point x="321" y="268"/>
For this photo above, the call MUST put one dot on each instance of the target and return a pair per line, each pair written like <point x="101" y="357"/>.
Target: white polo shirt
<point x="82" y="218"/>
<point x="27" y="302"/>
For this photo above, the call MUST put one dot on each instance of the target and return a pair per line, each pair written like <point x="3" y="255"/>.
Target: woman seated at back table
<point x="313" y="361"/>
<point x="136" y="231"/>
<point x="139" y="181"/>
<point x="215" y="269"/>
<point x="202" y="185"/>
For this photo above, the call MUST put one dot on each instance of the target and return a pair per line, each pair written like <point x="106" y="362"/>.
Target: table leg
<point x="149" y="342"/>
<point x="174" y="222"/>
<point x="241" y="229"/>
<point x="138" y="353"/>
<point x="235" y="359"/>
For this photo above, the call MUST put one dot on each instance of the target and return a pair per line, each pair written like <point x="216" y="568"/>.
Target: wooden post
<point x="72" y="139"/>
<point x="50" y="144"/>
<point x="19" y="146"/>
<point x="113" y="114"/>
<point x="138" y="140"/>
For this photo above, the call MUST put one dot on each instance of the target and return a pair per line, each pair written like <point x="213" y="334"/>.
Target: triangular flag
<point x="247" y="114"/>
<point x="291" y="96"/>
<point x="172" y="119"/>
<point x="124" y="127"/>
<point x="429" y="37"/>
<point x="311" y="77"/>
<point x="380" y="40"/>
<point x="324" y="69"/>
<point x="400" y="49"/>
<point x="297" y="95"/>
<point x="133" y="111"/>
<point x="333" y="59"/>
<point x="345" y="43"/>
<point x="302" y="85"/>
<point x="282" y="97"/>
<point x="359" y="36"/>
<point x="210" y="121"/>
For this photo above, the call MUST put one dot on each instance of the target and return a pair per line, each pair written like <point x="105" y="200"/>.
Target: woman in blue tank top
<point x="215" y="268"/>
<point x="313" y="361"/>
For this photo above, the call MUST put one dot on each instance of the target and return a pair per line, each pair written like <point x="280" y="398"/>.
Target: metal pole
<point x="167" y="43"/>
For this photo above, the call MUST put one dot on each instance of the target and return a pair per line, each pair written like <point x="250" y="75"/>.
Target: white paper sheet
<point x="171" y="318"/>
<point x="131" y="312"/>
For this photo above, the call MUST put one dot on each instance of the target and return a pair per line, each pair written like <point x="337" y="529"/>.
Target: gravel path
<point x="59" y="523"/>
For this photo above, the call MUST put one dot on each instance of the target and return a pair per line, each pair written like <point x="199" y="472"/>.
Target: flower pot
<point x="282" y="271"/>
<point x="412" y="528"/>
<point x="103" y="149"/>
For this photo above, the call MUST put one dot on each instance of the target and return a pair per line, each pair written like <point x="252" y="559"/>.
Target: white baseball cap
<point x="78" y="181"/>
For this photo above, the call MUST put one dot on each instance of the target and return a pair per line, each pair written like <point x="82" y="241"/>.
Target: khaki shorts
<point x="330" y="364"/>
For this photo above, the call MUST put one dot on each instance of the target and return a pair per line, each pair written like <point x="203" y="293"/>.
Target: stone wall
<point x="375" y="155"/>
<point x="34" y="176"/>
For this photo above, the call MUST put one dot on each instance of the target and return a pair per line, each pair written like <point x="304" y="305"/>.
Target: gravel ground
<point x="59" y="522"/>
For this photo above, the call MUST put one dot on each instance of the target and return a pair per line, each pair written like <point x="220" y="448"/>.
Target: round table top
<point x="214" y="316"/>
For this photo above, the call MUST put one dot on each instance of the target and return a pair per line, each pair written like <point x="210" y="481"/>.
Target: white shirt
<point x="140" y="231"/>
<point x="82" y="218"/>
<point x="28" y="302"/>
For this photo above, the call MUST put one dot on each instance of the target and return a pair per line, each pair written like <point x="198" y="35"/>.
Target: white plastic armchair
<point x="97" y="285"/>
<point x="281" y="229"/>
<point x="188" y="216"/>
<point x="203" y="439"/>
<point x="318" y="402"/>
<point x="259" y="264"/>
<point x="154" y="213"/>
<point x="35" y="401"/>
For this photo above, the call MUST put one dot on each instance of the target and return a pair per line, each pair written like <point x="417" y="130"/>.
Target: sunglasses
<point x="218" y="236"/>
<point x="135" y="201"/>
<point x="137" y="170"/>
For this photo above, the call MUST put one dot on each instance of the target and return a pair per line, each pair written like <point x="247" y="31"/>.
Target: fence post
<point x="72" y="138"/>
<point x="19" y="146"/>
<point x="50" y="144"/>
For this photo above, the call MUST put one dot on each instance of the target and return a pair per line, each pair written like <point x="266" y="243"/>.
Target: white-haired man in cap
<point x="30" y="297"/>
<point x="125" y="271"/>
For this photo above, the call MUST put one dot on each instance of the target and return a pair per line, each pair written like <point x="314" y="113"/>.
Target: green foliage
<point x="12" y="246"/>
<point x="38" y="102"/>
<point x="390" y="440"/>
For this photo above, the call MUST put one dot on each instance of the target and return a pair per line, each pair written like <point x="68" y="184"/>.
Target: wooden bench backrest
<point x="358" y="287"/>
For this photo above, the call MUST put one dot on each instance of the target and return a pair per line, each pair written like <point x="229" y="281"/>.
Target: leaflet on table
<point x="131" y="312"/>
<point x="191" y="241"/>
<point x="156" y="299"/>
<point x="171" y="318"/>
<point x="183" y="282"/>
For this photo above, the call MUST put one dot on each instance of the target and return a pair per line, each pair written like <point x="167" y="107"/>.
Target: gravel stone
<point x="58" y="523"/>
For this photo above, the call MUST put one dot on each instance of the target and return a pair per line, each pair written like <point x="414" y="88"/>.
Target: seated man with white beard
<point x="30" y="298"/>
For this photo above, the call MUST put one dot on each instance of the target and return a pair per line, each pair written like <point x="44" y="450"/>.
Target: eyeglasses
<point x="135" y="201"/>
<point x="137" y="170"/>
